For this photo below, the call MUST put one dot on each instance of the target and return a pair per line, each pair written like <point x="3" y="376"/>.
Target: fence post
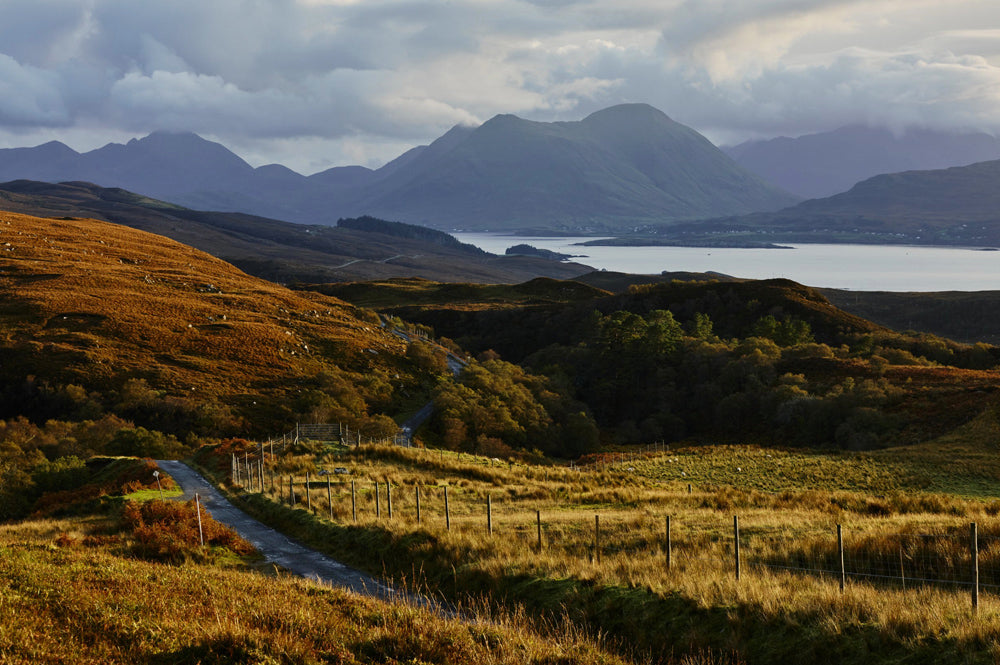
<point x="197" y="505"/>
<point x="597" y="538"/>
<point x="236" y="471"/>
<point x="902" y="571"/>
<point x="538" y="518"/>
<point x="309" y="501"/>
<point x="689" y="488"/>
<point x="354" y="503"/>
<point x="249" y="482"/>
<point x="378" y="502"/>
<point x="261" y="467"/>
<point x="489" y="514"/>
<point x="388" y="497"/>
<point x="329" y="497"/>
<point x="291" y="492"/>
<point x="669" y="544"/>
<point x="447" y="510"/>
<point x="736" y="543"/>
<point x="840" y="555"/>
<point x="418" y="503"/>
<point x="974" y="545"/>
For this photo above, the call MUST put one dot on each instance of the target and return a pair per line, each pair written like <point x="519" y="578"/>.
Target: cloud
<point x="309" y="81"/>
<point x="30" y="96"/>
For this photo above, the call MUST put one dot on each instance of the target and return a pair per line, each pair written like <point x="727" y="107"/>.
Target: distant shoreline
<point x="652" y="242"/>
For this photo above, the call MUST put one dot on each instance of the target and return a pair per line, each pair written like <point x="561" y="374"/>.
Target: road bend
<point x="278" y="548"/>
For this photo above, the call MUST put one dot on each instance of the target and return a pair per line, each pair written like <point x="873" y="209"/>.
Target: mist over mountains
<point x="619" y="167"/>
<point x="828" y="163"/>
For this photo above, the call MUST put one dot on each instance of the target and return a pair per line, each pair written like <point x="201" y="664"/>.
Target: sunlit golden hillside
<point x="94" y="305"/>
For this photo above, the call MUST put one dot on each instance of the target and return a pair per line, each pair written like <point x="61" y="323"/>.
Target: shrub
<point x="168" y="531"/>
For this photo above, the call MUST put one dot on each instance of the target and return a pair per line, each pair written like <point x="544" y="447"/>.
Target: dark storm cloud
<point x="343" y="80"/>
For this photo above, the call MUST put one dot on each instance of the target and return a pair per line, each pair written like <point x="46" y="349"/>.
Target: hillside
<point x="621" y="166"/>
<point x="283" y="251"/>
<point x="738" y="360"/>
<point x="97" y="317"/>
<point x="827" y="163"/>
<point x="954" y="206"/>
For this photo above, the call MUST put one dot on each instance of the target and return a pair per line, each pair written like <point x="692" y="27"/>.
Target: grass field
<point x="75" y="603"/>
<point x="905" y="514"/>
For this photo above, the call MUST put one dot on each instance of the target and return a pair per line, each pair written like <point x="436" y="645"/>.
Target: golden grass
<point x="93" y="303"/>
<point x="87" y="605"/>
<point x="788" y="525"/>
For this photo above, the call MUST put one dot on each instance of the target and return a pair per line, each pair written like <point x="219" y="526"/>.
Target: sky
<point x="319" y="83"/>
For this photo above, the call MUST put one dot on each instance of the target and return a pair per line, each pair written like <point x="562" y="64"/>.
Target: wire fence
<point x="958" y="557"/>
<point x="330" y="433"/>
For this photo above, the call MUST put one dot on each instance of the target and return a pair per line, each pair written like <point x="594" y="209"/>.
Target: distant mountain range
<point x="820" y="165"/>
<point x="617" y="168"/>
<point x="954" y="206"/>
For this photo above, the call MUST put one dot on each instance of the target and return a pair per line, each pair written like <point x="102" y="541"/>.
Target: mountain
<point x="617" y="168"/>
<point x="820" y="165"/>
<point x="955" y="206"/>
<point x="623" y="166"/>
<point x="284" y="251"/>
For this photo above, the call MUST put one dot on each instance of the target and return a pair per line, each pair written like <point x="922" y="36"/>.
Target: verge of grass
<point x="82" y="603"/>
<point x="631" y="595"/>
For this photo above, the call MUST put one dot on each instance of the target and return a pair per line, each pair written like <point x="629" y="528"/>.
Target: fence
<point x="332" y="433"/>
<point x="959" y="558"/>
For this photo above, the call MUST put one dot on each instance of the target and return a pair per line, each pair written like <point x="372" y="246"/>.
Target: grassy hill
<point x="281" y="251"/>
<point x="147" y="327"/>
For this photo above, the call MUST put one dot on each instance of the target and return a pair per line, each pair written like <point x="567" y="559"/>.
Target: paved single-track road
<point x="275" y="546"/>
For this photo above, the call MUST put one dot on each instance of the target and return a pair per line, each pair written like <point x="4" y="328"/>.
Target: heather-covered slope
<point x="98" y="317"/>
<point x="283" y="251"/>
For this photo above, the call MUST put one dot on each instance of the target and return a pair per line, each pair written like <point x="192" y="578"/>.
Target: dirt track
<point x="276" y="547"/>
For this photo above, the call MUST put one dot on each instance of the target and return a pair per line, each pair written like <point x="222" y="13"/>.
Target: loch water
<point x="855" y="267"/>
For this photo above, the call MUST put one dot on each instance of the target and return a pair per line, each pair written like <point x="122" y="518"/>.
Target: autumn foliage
<point x="168" y="531"/>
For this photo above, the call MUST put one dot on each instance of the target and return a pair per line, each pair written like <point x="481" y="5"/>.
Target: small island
<point x="528" y="250"/>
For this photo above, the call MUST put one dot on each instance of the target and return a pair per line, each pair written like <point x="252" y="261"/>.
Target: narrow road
<point x="275" y="546"/>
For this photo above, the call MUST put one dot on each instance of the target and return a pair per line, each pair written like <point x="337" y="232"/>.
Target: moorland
<point x="586" y="416"/>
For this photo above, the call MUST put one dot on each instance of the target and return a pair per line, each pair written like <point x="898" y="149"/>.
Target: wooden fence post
<point x="329" y="497"/>
<point x="902" y="571"/>
<point x="538" y="518"/>
<point x="354" y="503"/>
<point x="249" y="482"/>
<point x="388" y="497"/>
<point x="378" y="502"/>
<point x="417" y="488"/>
<point x="291" y="492"/>
<point x="447" y="510"/>
<point x="261" y="467"/>
<point x="736" y="542"/>
<point x="840" y="555"/>
<point x="597" y="538"/>
<point x="489" y="514"/>
<point x="974" y="546"/>
<point x="197" y="505"/>
<point x="669" y="544"/>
